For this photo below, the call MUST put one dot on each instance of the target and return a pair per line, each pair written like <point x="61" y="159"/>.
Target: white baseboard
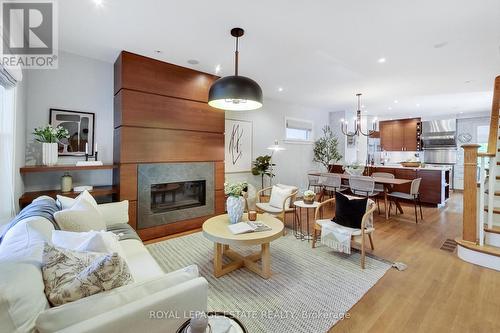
<point x="478" y="258"/>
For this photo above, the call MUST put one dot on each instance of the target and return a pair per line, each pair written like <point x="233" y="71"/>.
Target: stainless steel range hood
<point x="439" y="134"/>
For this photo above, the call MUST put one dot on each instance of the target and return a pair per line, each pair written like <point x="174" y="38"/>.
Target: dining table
<point x="386" y="182"/>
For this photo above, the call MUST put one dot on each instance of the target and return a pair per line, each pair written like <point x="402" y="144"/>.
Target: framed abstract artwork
<point x="239" y="144"/>
<point x="80" y="125"/>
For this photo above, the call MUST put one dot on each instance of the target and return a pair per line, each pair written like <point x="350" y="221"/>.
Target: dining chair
<point x="414" y="196"/>
<point x="331" y="183"/>
<point x="380" y="187"/>
<point x="313" y="179"/>
<point x="365" y="230"/>
<point x="362" y="186"/>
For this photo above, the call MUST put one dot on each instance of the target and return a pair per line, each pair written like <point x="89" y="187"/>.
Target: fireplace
<point x="172" y="192"/>
<point x="168" y="197"/>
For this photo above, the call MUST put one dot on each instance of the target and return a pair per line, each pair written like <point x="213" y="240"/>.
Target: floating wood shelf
<point x="62" y="167"/>
<point x="98" y="191"/>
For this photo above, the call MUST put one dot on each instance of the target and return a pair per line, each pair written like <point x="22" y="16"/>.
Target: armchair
<point x="364" y="230"/>
<point x="280" y="204"/>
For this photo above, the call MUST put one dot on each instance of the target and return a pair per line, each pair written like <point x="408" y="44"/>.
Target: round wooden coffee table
<point x="216" y="229"/>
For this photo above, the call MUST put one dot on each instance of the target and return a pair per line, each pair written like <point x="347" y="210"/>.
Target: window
<point x="299" y="130"/>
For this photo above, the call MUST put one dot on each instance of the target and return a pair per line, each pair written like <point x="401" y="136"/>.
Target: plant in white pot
<point x="50" y="137"/>
<point x="235" y="203"/>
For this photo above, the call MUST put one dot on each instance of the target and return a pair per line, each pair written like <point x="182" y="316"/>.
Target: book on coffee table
<point x="249" y="226"/>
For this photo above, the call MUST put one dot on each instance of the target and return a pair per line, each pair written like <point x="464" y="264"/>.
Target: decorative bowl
<point x="309" y="200"/>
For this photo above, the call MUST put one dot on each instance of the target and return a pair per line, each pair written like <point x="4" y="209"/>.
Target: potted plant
<point x="262" y="166"/>
<point x="325" y="148"/>
<point x="235" y="203"/>
<point x="50" y="137"/>
<point x="309" y="197"/>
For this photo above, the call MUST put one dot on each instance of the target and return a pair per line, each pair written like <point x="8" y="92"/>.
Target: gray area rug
<point x="309" y="291"/>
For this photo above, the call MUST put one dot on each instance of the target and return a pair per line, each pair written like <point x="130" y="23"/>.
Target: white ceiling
<point x="320" y="52"/>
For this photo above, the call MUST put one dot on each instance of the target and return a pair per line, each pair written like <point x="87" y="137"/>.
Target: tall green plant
<point x="325" y="148"/>
<point x="262" y="166"/>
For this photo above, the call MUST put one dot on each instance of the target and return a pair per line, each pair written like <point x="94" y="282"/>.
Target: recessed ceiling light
<point x="280" y="89"/>
<point x="389" y="108"/>
<point x="418" y="105"/>
<point x="217" y="69"/>
<point x="99" y="3"/>
<point x="193" y="62"/>
<point x="396" y="101"/>
<point x="363" y="106"/>
<point x="381" y="60"/>
<point x="157" y="51"/>
<point x="468" y="81"/>
<point x="461" y="112"/>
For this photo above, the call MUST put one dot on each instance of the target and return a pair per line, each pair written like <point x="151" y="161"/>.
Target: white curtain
<point x="7" y="126"/>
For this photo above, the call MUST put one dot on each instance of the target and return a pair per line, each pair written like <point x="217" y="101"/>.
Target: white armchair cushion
<point x="278" y="197"/>
<point x="21" y="296"/>
<point x="82" y="216"/>
<point x="60" y="317"/>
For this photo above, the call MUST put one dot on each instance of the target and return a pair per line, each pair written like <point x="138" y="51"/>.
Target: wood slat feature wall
<point x="161" y="115"/>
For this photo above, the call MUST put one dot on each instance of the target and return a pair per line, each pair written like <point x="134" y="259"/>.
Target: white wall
<point x="292" y="164"/>
<point x="79" y="84"/>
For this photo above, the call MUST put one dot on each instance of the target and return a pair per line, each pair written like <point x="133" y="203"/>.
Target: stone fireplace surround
<point x="160" y="173"/>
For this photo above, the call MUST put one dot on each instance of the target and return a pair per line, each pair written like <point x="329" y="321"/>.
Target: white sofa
<point x="155" y="302"/>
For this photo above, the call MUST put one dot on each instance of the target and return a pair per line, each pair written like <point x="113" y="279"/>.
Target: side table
<point x="297" y="219"/>
<point x="238" y="327"/>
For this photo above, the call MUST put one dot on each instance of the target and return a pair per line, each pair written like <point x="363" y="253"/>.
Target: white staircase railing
<point x="483" y="193"/>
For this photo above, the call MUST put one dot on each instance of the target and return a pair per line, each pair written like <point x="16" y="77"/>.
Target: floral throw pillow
<point x="70" y="275"/>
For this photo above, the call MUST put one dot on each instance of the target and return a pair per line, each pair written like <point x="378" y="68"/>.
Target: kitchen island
<point x="434" y="187"/>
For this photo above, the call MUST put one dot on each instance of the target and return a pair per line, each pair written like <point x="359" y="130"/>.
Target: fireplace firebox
<point x="167" y="197"/>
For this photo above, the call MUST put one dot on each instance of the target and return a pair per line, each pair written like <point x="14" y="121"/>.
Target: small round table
<point x="216" y="229"/>
<point x="238" y="327"/>
<point x="297" y="219"/>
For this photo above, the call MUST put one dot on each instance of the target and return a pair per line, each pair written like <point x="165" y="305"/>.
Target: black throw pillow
<point x="349" y="212"/>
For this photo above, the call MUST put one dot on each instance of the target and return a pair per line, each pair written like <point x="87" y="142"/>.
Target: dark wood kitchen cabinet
<point x="399" y="135"/>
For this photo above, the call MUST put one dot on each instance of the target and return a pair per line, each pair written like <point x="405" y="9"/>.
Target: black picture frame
<point x="75" y="145"/>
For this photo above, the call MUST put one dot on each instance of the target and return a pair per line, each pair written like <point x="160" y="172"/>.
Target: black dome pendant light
<point x="235" y="93"/>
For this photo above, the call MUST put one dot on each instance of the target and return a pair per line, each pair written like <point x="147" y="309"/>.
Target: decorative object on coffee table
<point x="252" y="215"/>
<point x="309" y="197"/>
<point x="50" y="137"/>
<point x="236" y="325"/>
<point x="216" y="229"/>
<point x="80" y="126"/>
<point x="235" y="202"/>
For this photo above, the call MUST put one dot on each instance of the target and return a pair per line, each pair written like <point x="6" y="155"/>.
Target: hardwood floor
<point x="438" y="292"/>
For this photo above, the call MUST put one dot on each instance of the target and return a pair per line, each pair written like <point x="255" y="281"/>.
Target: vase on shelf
<point x="49" y="153"/>
<point x="235" y="206"/>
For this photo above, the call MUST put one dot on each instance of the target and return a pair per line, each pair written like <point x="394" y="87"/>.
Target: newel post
<point x="470" y="193"/>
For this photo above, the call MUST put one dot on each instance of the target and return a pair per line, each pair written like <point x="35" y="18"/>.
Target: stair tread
<point x="487" y="249"/>
<point x="494" y="229"/>
<point x="496" y="210"/>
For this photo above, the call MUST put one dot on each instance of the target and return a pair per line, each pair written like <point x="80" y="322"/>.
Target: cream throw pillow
<point x="82" y="216"/>
<point x="67" y="202"/>
<point x="70" y="275"/>
<point x="278" y="196"/>
<point x="92" y="241"/>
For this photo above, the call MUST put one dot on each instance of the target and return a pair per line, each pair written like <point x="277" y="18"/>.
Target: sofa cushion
<point x="21" y="296"/>
<point x="82" y="216"/>
<point x="92" y="241"/>
<point x="71" y="275"/>
<point x="114" y="212"/>
<point x="25" y="240"/>
<point x="140" y="262"/>
<point x="60" y="317"/>
<point x="67" y="202"/>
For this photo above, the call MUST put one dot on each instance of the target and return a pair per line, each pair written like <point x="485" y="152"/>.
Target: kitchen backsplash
<point x="395" y="157"/>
